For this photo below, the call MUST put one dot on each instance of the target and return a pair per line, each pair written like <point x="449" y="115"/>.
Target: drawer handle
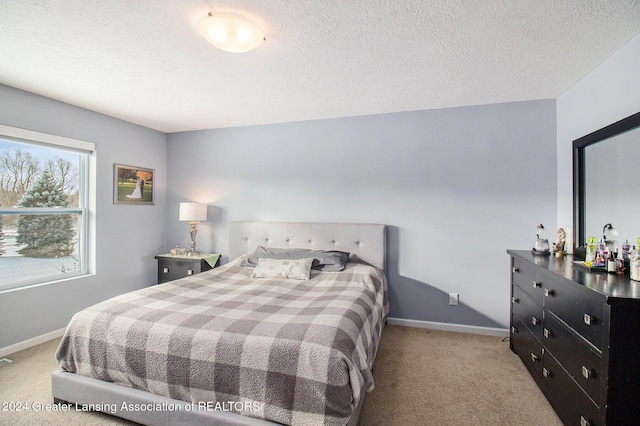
<point x="584" y="422"/>
<point x="515" y="270"/>
<point x="586" y="373"/>
<point x="535" y="321"/>
<point x="515" y="300"/>
<point x="536" y="284"/>
<point x="514" y="329"/>
<point x="546" y="373"/>
<point x="548" y="292"/>
<point x="587" y="319"/>
<point x="534" y="357"/>
<point x="547" y="333"/>
<point x="165" y="270"/>
<point x="189" y="272"/>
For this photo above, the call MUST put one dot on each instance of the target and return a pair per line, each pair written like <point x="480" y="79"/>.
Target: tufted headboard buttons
<point x="365" y="240"/>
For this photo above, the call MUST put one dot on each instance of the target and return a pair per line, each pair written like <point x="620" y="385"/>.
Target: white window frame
<point x="86" y="227"/>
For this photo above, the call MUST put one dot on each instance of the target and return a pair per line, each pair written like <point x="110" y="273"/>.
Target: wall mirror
<point x="606" y="183"/>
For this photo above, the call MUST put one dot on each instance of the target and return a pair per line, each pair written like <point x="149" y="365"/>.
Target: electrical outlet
<point x="454" y="298"/>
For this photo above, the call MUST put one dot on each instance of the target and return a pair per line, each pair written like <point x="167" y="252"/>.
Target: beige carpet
<point x="423" y="377"/>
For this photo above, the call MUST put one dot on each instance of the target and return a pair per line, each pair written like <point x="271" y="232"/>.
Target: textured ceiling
<point x="143" y="61"/>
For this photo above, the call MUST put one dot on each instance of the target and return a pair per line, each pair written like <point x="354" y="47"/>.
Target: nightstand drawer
<point x="529" y="279"/>
<point x="172" y="269"/>
<point x="578" y="358"/>
<point x="175" y="267"/>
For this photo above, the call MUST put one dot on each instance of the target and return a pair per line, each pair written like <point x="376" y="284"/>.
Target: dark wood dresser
<point x="578" y="334"/>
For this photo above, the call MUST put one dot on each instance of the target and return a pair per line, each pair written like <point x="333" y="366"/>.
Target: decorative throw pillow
<point x="296" y="269"/>
<point x="323" y="260"/>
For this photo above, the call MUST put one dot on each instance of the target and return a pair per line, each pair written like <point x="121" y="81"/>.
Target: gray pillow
<point x="323" y="260"/>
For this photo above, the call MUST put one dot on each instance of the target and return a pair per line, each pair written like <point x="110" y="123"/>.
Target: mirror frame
<point x="579" y="145"/>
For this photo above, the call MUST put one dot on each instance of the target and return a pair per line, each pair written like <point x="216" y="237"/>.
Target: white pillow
<point x="297" y="269"/>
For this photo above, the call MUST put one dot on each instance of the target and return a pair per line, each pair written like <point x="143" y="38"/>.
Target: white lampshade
<point x="193" y="212"/>
<point x="230" y="32"/>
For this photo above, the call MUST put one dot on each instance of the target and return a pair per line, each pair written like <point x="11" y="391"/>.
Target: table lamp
<point x="193" y="213"/>
<point x="542" y="244"/>
<point x="607" y="232"/>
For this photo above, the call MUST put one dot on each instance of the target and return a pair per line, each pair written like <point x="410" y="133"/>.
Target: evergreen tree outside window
<point x="45" y="235"/>
<point x="44" y="220"/>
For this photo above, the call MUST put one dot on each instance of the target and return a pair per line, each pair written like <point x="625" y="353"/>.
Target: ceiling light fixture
<point x="230" y="32"/>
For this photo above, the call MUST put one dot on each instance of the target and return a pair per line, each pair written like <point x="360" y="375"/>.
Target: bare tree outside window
<point x="18" y="170"/>
<point x="66" y="176"/>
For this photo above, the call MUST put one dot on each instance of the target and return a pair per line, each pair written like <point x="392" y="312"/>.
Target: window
<point x="44" y="199"/>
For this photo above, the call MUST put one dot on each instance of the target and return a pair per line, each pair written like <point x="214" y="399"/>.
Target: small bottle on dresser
<point x="612" y="267"/>
<point x="626" y="249"/>
<point x="634" y="264"/>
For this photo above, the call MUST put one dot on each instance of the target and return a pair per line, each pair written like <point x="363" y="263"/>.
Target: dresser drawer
<point x="526" y="346"/>
<point x="580" y="308"/>
<point x="528" y="311"/>
<point x="576" y="408"/>
<point x="529" y="278"/>
<point x="579" y="359"/>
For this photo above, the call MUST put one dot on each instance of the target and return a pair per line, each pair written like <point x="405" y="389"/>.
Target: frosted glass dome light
<point x="230" y="32"/>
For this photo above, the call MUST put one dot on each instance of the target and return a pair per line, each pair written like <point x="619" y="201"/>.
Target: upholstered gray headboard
<point x="366" y="240"/>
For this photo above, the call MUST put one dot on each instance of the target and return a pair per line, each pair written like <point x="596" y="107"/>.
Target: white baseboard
<point x="26" y="344"/>
<point x="473" y="329"/>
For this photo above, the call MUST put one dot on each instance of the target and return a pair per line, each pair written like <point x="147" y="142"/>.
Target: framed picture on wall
<point x="132" y="185"/>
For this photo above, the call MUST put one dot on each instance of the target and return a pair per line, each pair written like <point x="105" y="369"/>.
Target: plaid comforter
<point x="293" y="352"/>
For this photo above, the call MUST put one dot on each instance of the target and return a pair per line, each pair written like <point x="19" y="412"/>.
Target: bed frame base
<point x="365" y="240"/>
<point x="89" y="394"/>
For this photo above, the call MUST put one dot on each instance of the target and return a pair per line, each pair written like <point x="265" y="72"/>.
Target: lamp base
<point x="540" y="253"/>
<point x="193" y="231"/>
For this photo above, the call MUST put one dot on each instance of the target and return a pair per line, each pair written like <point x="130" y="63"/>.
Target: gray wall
<point x="127" y="236"/>
<point x="457" y="187"/>
<point x="607" y="94"/>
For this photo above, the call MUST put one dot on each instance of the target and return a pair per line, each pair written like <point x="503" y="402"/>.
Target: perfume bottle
<point x="626" y="249"/>
<point x="590" y="255"/>
<point x="634" y="264"/>
<point x="612" y="265"/>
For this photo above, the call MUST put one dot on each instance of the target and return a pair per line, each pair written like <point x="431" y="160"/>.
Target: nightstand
<point x="172" y="267"/>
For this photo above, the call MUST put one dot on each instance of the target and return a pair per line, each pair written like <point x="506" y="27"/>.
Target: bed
<point x="222" y="347"/>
